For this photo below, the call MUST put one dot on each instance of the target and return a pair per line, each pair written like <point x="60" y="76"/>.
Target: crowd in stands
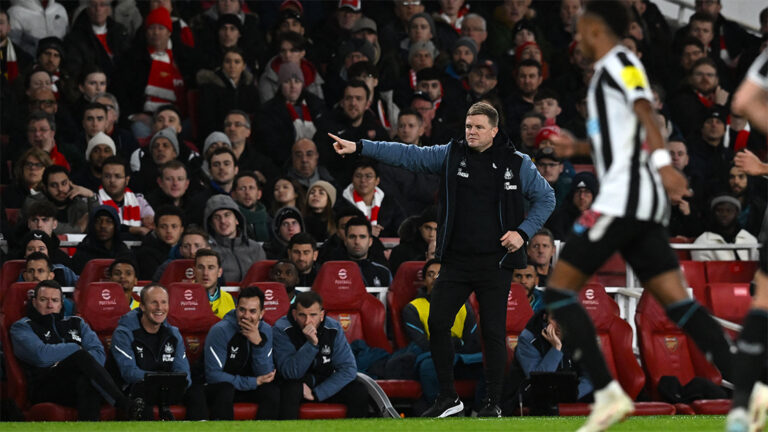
<point x="199" y="130"/>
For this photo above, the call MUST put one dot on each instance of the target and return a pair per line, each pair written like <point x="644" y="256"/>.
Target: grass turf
<point x="652" y="423"/>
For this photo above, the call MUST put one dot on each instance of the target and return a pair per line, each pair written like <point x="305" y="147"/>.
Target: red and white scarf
<point x="130" y="213"/>
<point x="11" y="66"/>
<point x="164" y="81"/>
<point x="372" y="212"/>
<point x="303" y="125"/>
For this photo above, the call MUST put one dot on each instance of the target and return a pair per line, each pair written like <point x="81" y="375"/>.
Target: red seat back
<point x="15" y="304"/>
<point x="259" y="272"/>
<point x="682" y="255"/>
<point x="12" y="215"/>
<point x="191" y="312"/>
<point x="11" y="271"/>
<point x="180" y="270"/>
<point x="95" y="270"/>
<point x="615" y="338"/>
<point x="696" y="276"/>
<point x="16" y="382"/>
<point x="102" y="304"/>
<point x="519" y="312"/>
<point x="665" y="349"/>
<point x="345" y="299"/>
<point x="729" y="301"/>
<point x="405" y="284"/>
<point x="612" y="273"/>
<point x="730" y="271"/>
<point x="276" y="301"/>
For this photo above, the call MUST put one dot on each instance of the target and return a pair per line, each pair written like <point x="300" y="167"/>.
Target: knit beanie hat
<point x="160" y="16"/>
<point x="327" y="187"/>
<point x="467" y="42"/>
<point x="167" y="133"/>
<point x="99" y="138"/>
<point x="289" y="70"/>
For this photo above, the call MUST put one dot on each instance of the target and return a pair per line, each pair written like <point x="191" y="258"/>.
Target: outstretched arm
<point x="410" y="157"/>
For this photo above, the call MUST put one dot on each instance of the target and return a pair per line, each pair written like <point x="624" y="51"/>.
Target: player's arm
<point x="674" y="182"/>
<point x="751" y="101"/>
<point x="566" y="145"/>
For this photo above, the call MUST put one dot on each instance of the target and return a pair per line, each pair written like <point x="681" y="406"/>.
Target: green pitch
<point x="548" y="424"/>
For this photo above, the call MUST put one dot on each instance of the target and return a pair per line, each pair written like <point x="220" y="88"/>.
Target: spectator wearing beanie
<point x="100" y="147"/>
<point x="583" y="191"/>
<point x="213" y="141"/>
<point x="291" y="49"/>
<point x="230" y="86"/>
<point x="463" y="56"/>
<point x="293" y="113"/>
<point x="150" y="74"/>
<point x="103" y="239"/>
<point x="286" y="223"/>
<point x="163" y="147"/>
<point x="37" y="241"/>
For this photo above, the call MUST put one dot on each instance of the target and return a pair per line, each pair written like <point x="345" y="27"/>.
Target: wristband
<point x="661" y="158"/>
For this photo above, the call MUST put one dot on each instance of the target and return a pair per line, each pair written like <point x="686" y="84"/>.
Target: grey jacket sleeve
<point x="92" y="344"/>
<point x="541" y="195"/>
<point x="345" y="368"/>
<point x="410" y="157"/>
<point x="180" y="362"/>
<point x="292" y="363"/>
<point x="33" y="351"/>
<point x="216" y="357"/>
<point x="122" y="352"/>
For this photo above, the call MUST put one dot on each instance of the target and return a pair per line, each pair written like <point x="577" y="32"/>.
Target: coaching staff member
<point x="482" y="229"/>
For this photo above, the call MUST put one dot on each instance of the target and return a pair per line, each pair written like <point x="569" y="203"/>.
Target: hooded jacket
<point x="152" y="253"/>
<point x="135" y="355"/>
<point x="239" y="253"/>
<point x="40" y="341"/>
<point x="276" y="247"/>
<point x="230" y="357"/>
<point x="91" y="248"/>
<point x="517" y="178"/>
<point x="86" y="49"/>
<point x="326" y="368"/>
<point x="269" y="83"/>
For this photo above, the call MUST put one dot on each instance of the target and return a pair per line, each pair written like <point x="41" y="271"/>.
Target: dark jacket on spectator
<point x="91" y="248"/>
<point x="84" y="48"/>
<point x="218" y="96"/>
<point x="150" y="255"/>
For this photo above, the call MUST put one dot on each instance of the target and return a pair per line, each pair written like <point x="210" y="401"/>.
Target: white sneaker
<point x="737" y="420"/>
<point x="758" y="407"/>
<point x="611" y="406"/>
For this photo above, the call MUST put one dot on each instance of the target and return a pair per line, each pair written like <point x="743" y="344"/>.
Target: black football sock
<point x="750" y="359"/>
<point x="580" y="333"/>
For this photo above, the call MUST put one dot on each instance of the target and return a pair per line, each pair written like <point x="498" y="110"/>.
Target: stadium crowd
<point x="199" y="130"/>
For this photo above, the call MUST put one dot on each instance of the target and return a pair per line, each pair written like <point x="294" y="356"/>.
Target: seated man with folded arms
<point x="239" y="366"/>
<point x="144" y="342"/>
<point x="63" y="358"/>
<point x="314" y="359"/>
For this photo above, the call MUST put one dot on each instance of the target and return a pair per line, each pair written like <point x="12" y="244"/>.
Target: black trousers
<point x="193" y="400"/>
<point x="451" y="291"/>
<point x="354" y="395"/>
<point x="222" y="396"/>
<point x="79" y="381"/>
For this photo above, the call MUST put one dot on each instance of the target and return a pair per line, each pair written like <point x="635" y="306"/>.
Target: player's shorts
<point x="643" y="244"/>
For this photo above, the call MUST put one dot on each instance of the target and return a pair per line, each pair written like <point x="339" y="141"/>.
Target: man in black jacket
<point x="481" y="234"/>
<point x="154" y="250"/>
<point x="96" y="39"/>
<point x="63" y="358"/>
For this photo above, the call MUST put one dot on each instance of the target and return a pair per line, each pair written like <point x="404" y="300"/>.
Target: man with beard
<point x="136" y="215"/>
<point x="689" y="107"/>
<point x="285" y="272"/>
<point x="752" y="205"/>
<point x="528" y="278"/>
<point x="710" y="156"/>
<point x="528" y="78"/>
<point x="246" y="192"/>
<point x="99" y="148"/>
<point x="103" y="239"/>
<point x="302" y="251"/>
<point x="156" y="246"/>
<point x="72" y="202"/>
<point x="725" y="229"/>
<point x="358" y="239"/>
<point x="463" y="56"/>
<point x="237" y="127"/>
<point x="304" y="164"/>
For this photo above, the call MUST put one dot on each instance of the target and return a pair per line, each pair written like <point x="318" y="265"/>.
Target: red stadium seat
<point x="666" y="350"/>
<point x="682" y="255"/>
<point x="191" y="312"/>
<point x="101" y="305"/>
<point x="11" y="271"/>
<point x="519" y="311"/>
<point x="313" y="411"/>
<point x="584" y="168"/>
<point x="615" y="338"/>
<point x="641" y="409"/>
<point x="12" y="215"/>
<point x="729" y="301"/>
<point x="696" y="276"/>
<point x="15" y="304"/>
<point x="711" y="407"/>
<point x="730" y="271"/>
<point x="259" y="272"/>
<point x="180" y="270"/>
<point x="276" y="301"/>
<point x="95" y="270"/>
<point x="405" y="284"/>
<point x="613" y="273"/>
<point x="345" y="299"/>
